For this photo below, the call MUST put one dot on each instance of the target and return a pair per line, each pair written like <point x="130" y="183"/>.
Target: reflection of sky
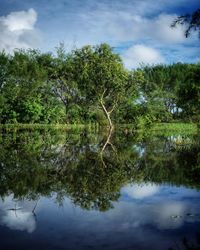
<point x="162" y="206"/>
<point x="145" y="216"/>
<point x="17" y="215"/>
<point x="140" y="191"/>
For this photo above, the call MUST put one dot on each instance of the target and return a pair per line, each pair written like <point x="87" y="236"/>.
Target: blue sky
<point x="138" y="29"/>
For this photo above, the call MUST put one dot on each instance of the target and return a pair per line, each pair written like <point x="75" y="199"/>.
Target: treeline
<point x="91" y="85"/>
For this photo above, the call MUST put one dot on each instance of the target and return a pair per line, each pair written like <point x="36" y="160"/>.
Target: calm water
<point x="61" y="190"/>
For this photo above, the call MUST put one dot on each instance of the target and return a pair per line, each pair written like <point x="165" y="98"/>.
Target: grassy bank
<point x="157" y="127"/>
<point x="175" y="128"/>
<point x="162" y="129"/>
<point x="73" y="127"/>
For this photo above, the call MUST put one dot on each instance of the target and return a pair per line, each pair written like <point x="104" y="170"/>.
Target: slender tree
<point x="102" y="78"/>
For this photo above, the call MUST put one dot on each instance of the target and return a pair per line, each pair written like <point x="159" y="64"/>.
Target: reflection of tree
<point x="74" y="165"/>
<point x="164" y="162"/>
<point x="70" y="165"/>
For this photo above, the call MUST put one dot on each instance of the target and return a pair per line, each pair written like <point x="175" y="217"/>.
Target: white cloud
<point x="139" y="53"/>
<point x="22" y="20"/>
<point x="121" y="26"/>
<point x="136" y="22"/>
<point x="159" y="29"/>
<point x="116" y="23"/>
<point x="125" y="25"/>
<point x="17" y="30"/>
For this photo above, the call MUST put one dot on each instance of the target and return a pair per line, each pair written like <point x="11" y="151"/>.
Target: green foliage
<point x="171" y="92"/>
<point x="189" y="93"/>
<point x="91" y="85"/>
<point x="101" y="78"/>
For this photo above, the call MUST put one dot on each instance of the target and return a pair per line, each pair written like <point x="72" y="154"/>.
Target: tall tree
<point x="62" y="79"/>
<point x="101" y="78"/>
<point x="189" y="93"/>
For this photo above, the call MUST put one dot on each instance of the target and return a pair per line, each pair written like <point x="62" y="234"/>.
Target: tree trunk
<point x="107" y="115"/>
<point x="108" y="139"/>
<point x="105" y="145"/>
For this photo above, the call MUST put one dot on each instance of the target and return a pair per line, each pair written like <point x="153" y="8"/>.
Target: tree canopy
<point x="91" y="85"/>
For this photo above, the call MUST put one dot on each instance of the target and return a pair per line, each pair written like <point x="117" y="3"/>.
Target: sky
<point x="139" y="30"/>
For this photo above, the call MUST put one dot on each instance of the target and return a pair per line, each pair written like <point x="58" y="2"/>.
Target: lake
<point x="78" y="190"/>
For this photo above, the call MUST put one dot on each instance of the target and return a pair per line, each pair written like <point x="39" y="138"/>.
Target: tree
<point x="171" y="91"/>
<point x="189" y="93"/>
<point x="61" y="77"/>
<point x="159" y="91"/>
<point x="25" y="93"/>
<point x="192" y="22"/>
<point x="4" y="61"/>
<point x="101" y="77"/>
<point x="24" y="77"/>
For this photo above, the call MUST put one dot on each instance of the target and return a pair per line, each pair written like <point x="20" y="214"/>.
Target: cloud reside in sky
<point x="138" y="29"/>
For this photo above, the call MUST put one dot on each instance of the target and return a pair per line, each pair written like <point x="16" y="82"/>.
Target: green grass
<point x="66" y="127"/>
<point x="175" y="128"/>
<point x="160" y="128"/>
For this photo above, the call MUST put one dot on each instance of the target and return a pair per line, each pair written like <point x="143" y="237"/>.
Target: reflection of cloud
<point x="162" y="206"/>
<point x="165" y="213"/>
<point x="160" y="214"/>
<point x="141" y="191"/>
<point x="141" y="222"/>
<point x="19" y="220"/>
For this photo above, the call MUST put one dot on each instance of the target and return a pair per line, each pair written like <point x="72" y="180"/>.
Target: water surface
<point x="62" y="190"/>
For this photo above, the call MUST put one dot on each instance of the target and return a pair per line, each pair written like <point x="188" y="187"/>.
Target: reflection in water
<point x="146" y="186"/>
<point x="140" y="191"/>
<point x="17" y="215"/>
